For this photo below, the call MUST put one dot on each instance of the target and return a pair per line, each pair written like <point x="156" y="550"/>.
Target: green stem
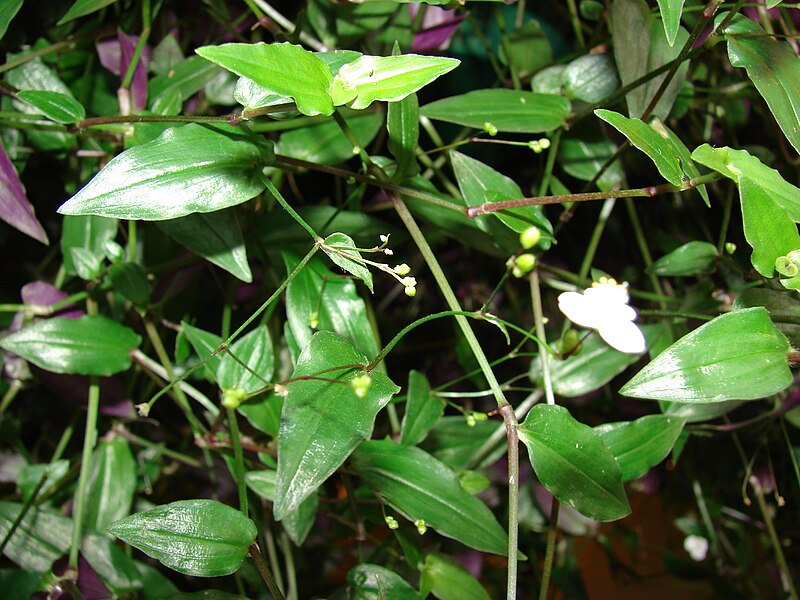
<point x="266" y="574"/>
<point x="292" y="212"/>
<point x="576" y="23"/>
<point x="780" y="558"/>
<point x="89" y="440"/>
<point x="11" y="393"/>
<point x="510" y="422"/>
<point x="551" y="161"/>
<point x="238" y="458"/>
<point x="538" y="318"/>
<point x="597" y="233"/>
<point x="550" y="552"/>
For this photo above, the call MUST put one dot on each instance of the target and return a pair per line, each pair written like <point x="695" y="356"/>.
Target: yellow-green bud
<point x="730" y="247"/>
<point x="410" y="291"/>
<point x="233" y="397"/>
<point x="361" y="384"/>
<point x="525" y="262"/>
<point x="530" y="237"/>
<point x="313" y="320"/>
<point x="421" y="526"/>
<point x="490" y="129"/>
<point x="391" y="522"/>
<point x="402" y="270"/>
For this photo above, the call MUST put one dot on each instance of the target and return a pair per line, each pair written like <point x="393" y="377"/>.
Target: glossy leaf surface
<point x="90" y="345"/>
<point x="692" y="258"/>
<point x="506" y="110"/>
<point x="216" y="237"/>
<point x="112" y="482"/>
<point x="40" y="538"/>
<point x="189" y="169"/>
<point x="423" y="410"/>
<point x="204" y="538"/>
<point x="325" y="144"/>
<point x="671" y="17"/>
<point x="572" y="462"/>
<point x="402" y="125"/>
<point x="323" y="419"/>
<point x="287" y="69"/>
<point x="373" y="582"/>
<point x="737" y="356"/>
<point x="337" y="244"/>
<point x="640" y="444"/>
<point x="57" y="107"/>
<point x="15" y="209"/>
<point x="81" y="8"/>
<point x="421" y="487"/>
<point x="297" y="523"/>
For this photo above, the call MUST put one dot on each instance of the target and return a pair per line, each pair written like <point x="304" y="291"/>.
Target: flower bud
<point x="530" y="237"/>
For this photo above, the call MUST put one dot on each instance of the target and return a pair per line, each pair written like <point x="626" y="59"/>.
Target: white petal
<point x="579" y="309"/>
<point x="623" y="336"/>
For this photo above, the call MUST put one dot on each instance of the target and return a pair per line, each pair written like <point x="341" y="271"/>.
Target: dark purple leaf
<point x="41" y="293"/>
<point x="14" y="206"/>
<point x="115" y="55"/>
<point x="438" y="26"/>
<point x="89" y="582"/>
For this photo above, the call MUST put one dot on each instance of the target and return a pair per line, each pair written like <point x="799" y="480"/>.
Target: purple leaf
<point x="116" y="54"/>
<point x="89" y="582"/>
<point x="75" y="388"/>
<point x="41" y="293"/>
<point x="14" y="206"/>
<point x="438" y="26"/>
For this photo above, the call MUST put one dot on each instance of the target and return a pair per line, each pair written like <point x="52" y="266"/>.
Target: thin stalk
<point x="292" y="212"/>
<point x="11" y="393"/>
<point x="551" y="161"/>
<point x="550" y="552"/>
<point x="291" y="572"/>
<point x="266" y="574"/>
<point x="192" y="392"/>
<point x="576" y="23"/>
<point x="89" y="440"/>
<point x="238" y="458"/>
<point x="538" y="317"/>
<point x="510" y="422"/>
<point x="597" y="233"/>
<point x="272" y="553"/>
<point x="273" y="14"/>
<point x="641" y="241"/>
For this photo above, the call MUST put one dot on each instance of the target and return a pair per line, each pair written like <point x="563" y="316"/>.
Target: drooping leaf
<point x="216" y="237"/>
<point x="337" y="244"/>
<point x="323" y="419"/>
<point x="671" y="11"/>
<point x="389" y="78"/>
<point x="640" y="444"/>
<point x="692" y="258"/>
<point x="91" y="345"/>
<point x="15" y="209"/>
<point x="448" y="580"/>
<point x="204" y="538"/>
<point x="287" y="69"/>
<point x="40" y="538"/>
<point x="648" y="141"/>
<point x="373" y="582"/>
<point x="421" y="487"/>
<point x="325" y="144"/>
<point x="112" y="484"/>
<point x="57" y="107"/>
<point x="682" y="154"/>
<point x="189" y="169"/>
<point x="772" y="66"/>
<point x="505" y="110"/>
<point x="572" y="462"/>
<point x="402" y="125"/>
<point x="253" y="350"/>
<point x="736" y="356"/>
<point x="8" y="10"/>
<point x="423" y="410"/>
<point x="81" y="8"/>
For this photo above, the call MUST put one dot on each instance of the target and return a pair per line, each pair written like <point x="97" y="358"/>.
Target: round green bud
<point x="570" y="343"/>
<point x="361" y="384"/>
<point x="421" y="526"/>
<point x="530" y="237"/>
<point x="730" y="247"/>
<point x="233" y="397"/>
<point x="490" y="129"/>
<point x="525" y="262"/>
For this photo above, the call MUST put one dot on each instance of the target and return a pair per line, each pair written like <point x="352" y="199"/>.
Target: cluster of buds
<point x="474" y="417"/>
<point x="540" y="145"/>
<point x="523" y="264"/>
<point x="391" y="522"/>
<point x="361" y="384"/>
<point x="399" y="272"/>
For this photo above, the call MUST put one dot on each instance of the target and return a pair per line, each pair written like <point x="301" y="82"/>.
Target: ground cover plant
<point x="394" y="299"/>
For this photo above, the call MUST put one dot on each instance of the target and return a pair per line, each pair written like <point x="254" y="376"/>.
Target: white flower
<point x="604" y="307"/>
<point x="696" y="546"/>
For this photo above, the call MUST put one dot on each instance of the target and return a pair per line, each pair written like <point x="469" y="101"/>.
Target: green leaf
<point x="423" y="410"/>
<point x="641" y="47"/>
<point x="216" y="237"/>
<point x="325" y="144"/>
<point x="204" y="538"/>
<point x="648" y="141"/>
<point x="338" y="243"/>
<point x="297" y="523"/>
<point x="373" y="582"/>
<point x="692" y="258"/>
<point x="112" y="484"/>
<point x="737" y="163"/>
<point x="736" y="356"/>
<point x="186" y="170"/>
<point x="454" y="442"/>
<point x="264" y="413"/>
<point x="40" y="538"/>
<point x="316" y="289"/>
<point x="506" y="110"/>
<point x="116" y="568"/>
<point x="682" y="153"/>
<point x="323" y="419"/>
<point x="774" y="69"/>
<point x="583" y="153"/>
<point x="91" y="345"/>
<point x="205" y="345"/>
<point x="590" y="78"/>
<point x="81" y="8"/>
<point x="53" y="105"/>
<point x="572" y="462"/>
<point x="8" y="10"/>
<point x="87" y="232"/>
<point x="773" y="3"/>
<point x="255" y="351"/>
<point x="130" y="280"/>
<point x="784" y="309"/>
<point x="180" y="82"/>
<point x="30" y="476"/>
<point x="402" y="125"/>
<point x="671" y="16"/>
<point x="420" y="487"/>
<point x="640" y="444"/>
<point x="448" y="580"/>
<point x="389" y="78"/>
<point x="286" y="69"/>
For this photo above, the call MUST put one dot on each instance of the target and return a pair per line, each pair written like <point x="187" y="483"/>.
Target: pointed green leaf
<point x="57" y="107"/>
<point x="286" y="69"/>
<point x="572" y="462"/>
<point x="373" y="582"/>
<point x="784" y="309"/>
<point x="205" y="344"/>
<point x="337" y="244"/>
<point x="455" y="442"/>
<point x="448" y="580"/>
<point x="253" y="350"/>
<point x="130" y="280"/>
<point x="583" y="153"/>
<point x="506" y="110"/>
<point x="8" y="10"/>
<point x="692" y="258"/>
<point x="648" y="141"/>
<point x="186" y="170"/>
<point x="682" y="154"/>
<point x="325" y="144"/>
<point x="421" y="487"/>
<point x="589" y="78"/>
<point x="389" y="78"/>
<point x="323" y="419"/>
<point x="112" y="484"/>
<point x="772" y="66"/>
<point x="671" y="16"/>
<point x="204" y="538"/>
<point x="88" y="232"/>
<point x="215" y="236"/>
<point x="39" y="539"/>
<point x="82" y="8"/>
<point x="91" y="345"/>
<point x="737" y="356"/>
<point x="640" y="444"/>
<point x="402" y="125"/>
<point x="423" y="410"/>
<point x="31" y="475"/>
